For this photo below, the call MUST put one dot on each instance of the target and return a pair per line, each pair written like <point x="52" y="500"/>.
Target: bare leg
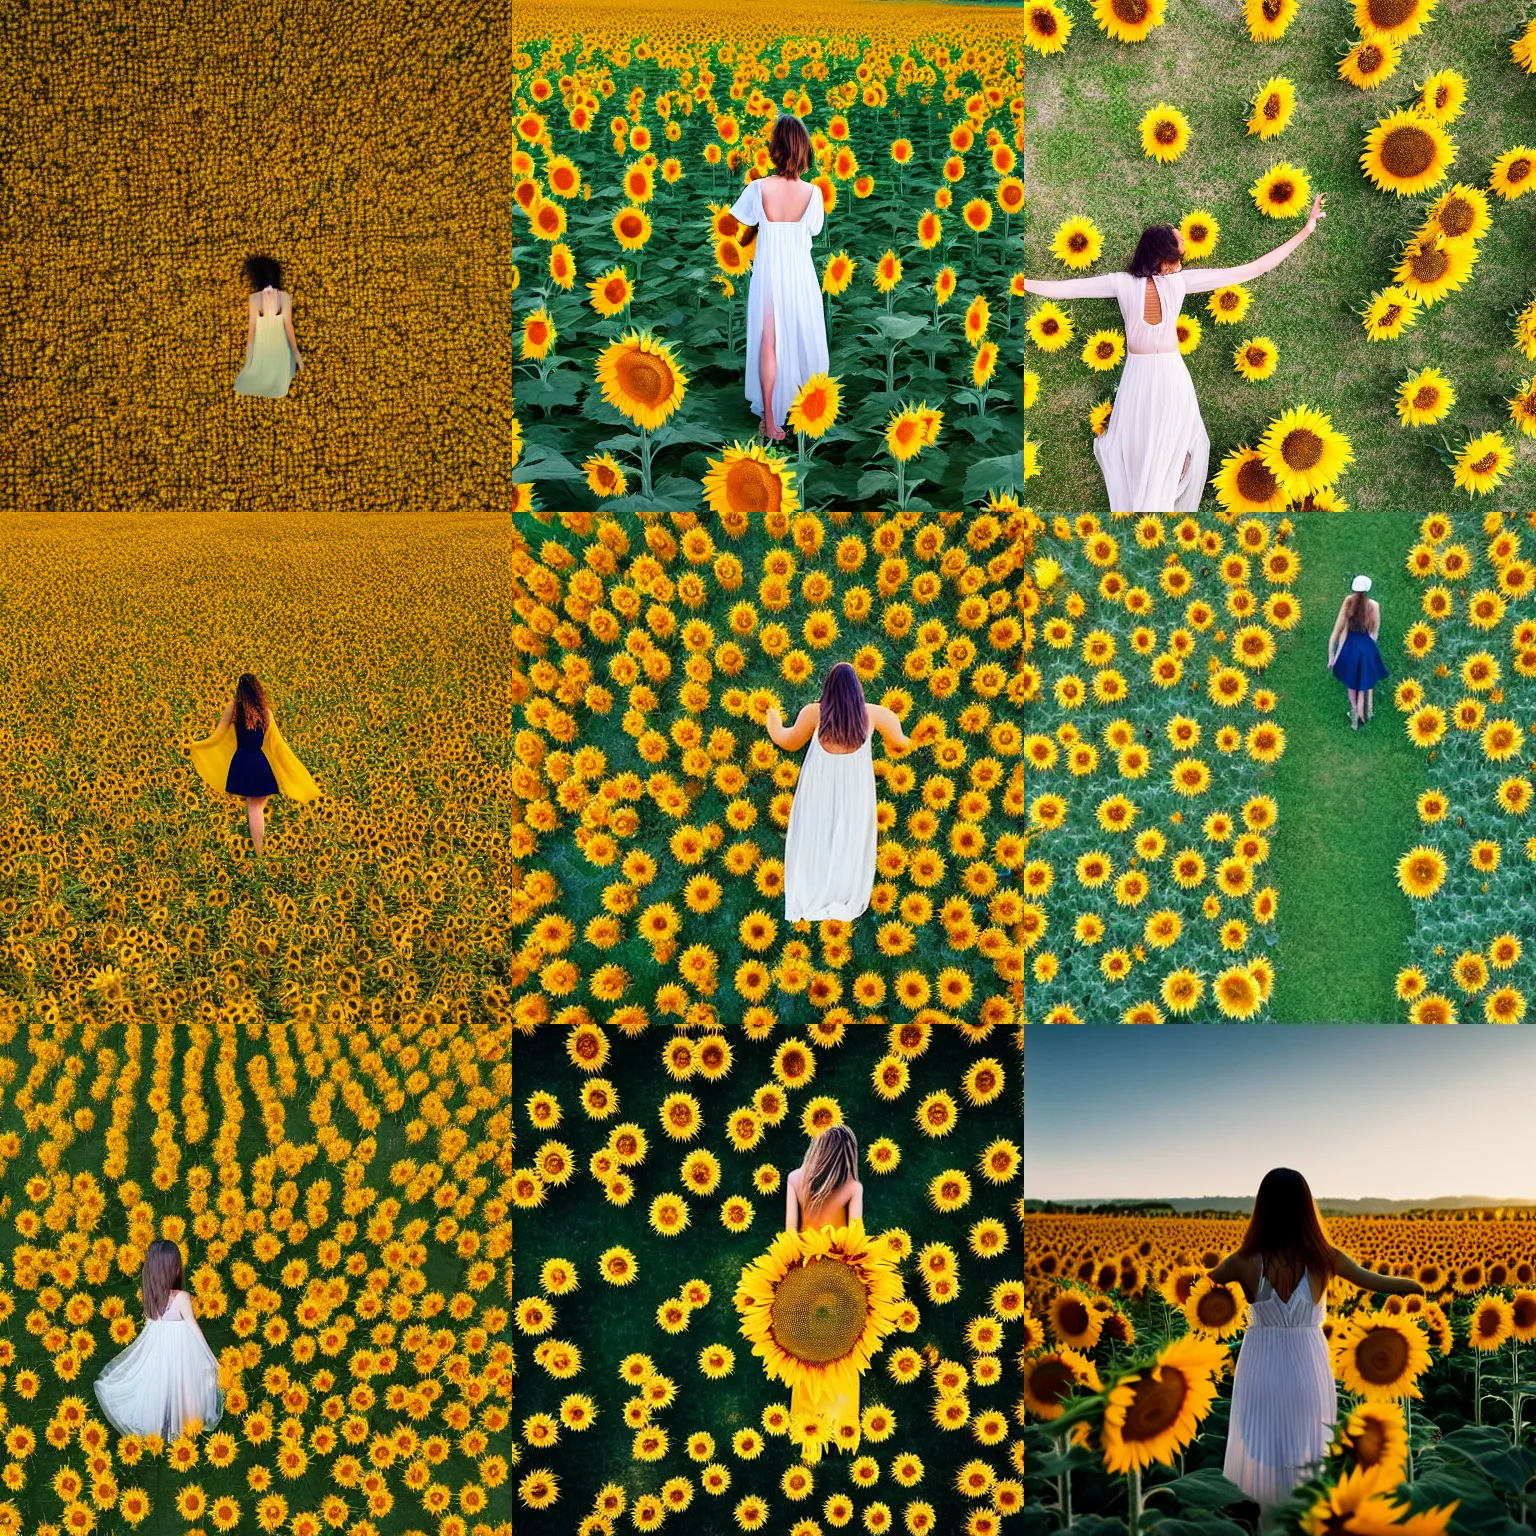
<point x="768" y="375"/>
<point x="1370" y="702"/>
<point x="1354" y="709"/>
<point x="256" y="815"/>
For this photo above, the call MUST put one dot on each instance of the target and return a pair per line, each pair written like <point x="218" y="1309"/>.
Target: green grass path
<point x="1346" y="797"/>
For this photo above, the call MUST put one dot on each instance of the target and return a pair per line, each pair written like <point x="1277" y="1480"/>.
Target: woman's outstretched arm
<point x="1101" y="287"/>
<point x="798" y="734"/>
<point x="226" y="717"/>
<point x="1206" y="280"/>
<point x="1370" y="1280"/>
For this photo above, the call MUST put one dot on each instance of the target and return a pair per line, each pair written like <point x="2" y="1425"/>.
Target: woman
<point x="1353" y="655"/>
<point x="269" y="363"/>
<point x="1154" y="453"/>
<point x="786" y="333"/>
<point x="824" y="1191"/>
<point x="829" y="850"/>
<point x="253" y="760"/>
<point x="1283" y="1399"/>
<point x="166" y="1382"/>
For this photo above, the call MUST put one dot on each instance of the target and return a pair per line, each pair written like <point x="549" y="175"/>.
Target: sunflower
<point x="1217" y="1311"/>
<point x="904" y="434"/>
<point x="816" y="1307"/>
<point x="1304" y="452"/>
<point x="1282" y="192"/>
<point x="748" y="478"/>
<point x="1051" y="1376"/>
<point x="1046" y="27"/>
<point x="814" y="407"/>
<point x="1199" y="230"/>
<point x="1369" y="62"/>
<point x="1049" y="327"/>
<point x="1187" y="331"/>
<point x="984" y="364"/>
<point x="1379" y="1355"/>
<point x="1129" y="21"/>
<point x="1522" y="407"/>
<point x="1165" y="133"/>
<point x="641" y="379"/>
<point x="611" y="292"/>
<point x="631" y="228"/>
<point x="1268" y="19"/>
<point x="1256" y="358"/>
<point x="1395" y="20"/>
<point x="1104" y="350"/>
<point x="1432" y="268"/>
<point x="978" y="315"/>
<point x="1405" y="153"/>
<point x="1153" y="1412"/>
<point x="1237" y="993"/>
<point x="1376" y="1435"/>
<point x="1391" y="311"/>
<point x="887" y="272"/>
<point x="1077" y="242"/>
<point x="539" y="334"/>
<point x="1482" y="463"/>
<point x="604" y="475"/>
<point x="1461" y="214"/>
<point x="1421" y="872"/>
<point x="1424" y="398"/>
<point x="1273" y="104"/>
<point x="1098" y="416"/>
<point x="837" y="273"/>
<point x="1443" y="96"/>
<point x="1074" y="1320"/>
<point x="1228" y="305"/>
<point x="1514" y="172"/>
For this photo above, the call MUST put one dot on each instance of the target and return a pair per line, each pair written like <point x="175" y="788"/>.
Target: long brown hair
<point x="789" y="146"/>
<point x="1285" y="1222"/>
<point x="844" y="719"/>
<point x="251" y="707"/>
<point x="1357" y="616"/>
<point x="830" y="1161"/>
<point x="162" y="1275"/>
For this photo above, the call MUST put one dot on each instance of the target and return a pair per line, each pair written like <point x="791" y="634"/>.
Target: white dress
<point x="1284" y="1401"/>
<point x="784" y="284"/>
<point x="829" y="850"/>
<point x="165" y="1378"/>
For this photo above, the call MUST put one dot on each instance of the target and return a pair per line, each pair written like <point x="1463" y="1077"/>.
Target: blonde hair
<point x="830" y="1161"/>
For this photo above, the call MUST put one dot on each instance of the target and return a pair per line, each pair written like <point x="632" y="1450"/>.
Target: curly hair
<point x="251" y="707"/>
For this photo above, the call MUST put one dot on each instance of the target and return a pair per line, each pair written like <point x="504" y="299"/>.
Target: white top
<point x="165" y="1379"/>
<point x="829" y="850"/>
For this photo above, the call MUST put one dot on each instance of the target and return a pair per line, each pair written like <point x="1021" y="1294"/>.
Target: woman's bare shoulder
<point x="794" y="1177"/>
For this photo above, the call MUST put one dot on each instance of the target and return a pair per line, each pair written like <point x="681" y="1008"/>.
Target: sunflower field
<point x="630" y="276"/>
<point x="1130" y="1351"/>
<point x="651" y="806"/>
<point x="650" y="1215"/>
<point x="344" y="1213"/>
<point x="1400" y="336"/>
<point x="148" y="150"/>
<point x="1469" y="702"/>
<point x="1150" y="818"/>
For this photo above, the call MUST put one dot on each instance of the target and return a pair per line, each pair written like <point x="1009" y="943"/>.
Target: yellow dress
<point x="831" y="1407"/>
<point x="269" y="366"/>
<point x="211" y="757"/>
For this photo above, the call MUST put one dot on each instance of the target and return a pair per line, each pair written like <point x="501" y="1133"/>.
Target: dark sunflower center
<point x="1281" y="191"/>
<point x="1517" y="170"/>
<point x="1302" y="448"/>
<point x="1256" y="356"/>
<point x="1427" y="398"/>
<point x="1488" y="1323"/>
<point x="1272" y="106"/>
<point x="1390" y="313"/>
<point x="1456" y="217"/>
<point x="1052" y="1381"/>
<point x="1156" y="1406"/>
<point x="1429" y="266"/>
<point x="1525" y="1312"/>
<point x="1386" y="14"/>
<point x="1050" y="327"/>
<point x="1166" y="131"/>
<point x="1132" y="12"/>
<point x="1077" y="241"/>
<point x="1442" y="96"/>
<point x="1273" y="9"/>
<point x="1197" y="233"/>
<point x="1381" y="1356"/>
<point x="1216" y="1308"/>
<point x="1408" y="151"/>
<point x="1484" y="466"/>
<point x="1369" y="1444"/>
<point x="1044" y="22"/>
<point x="1105" y="349"/>
<point x="819" y="1310"/>
<point x="1370" y="59"/>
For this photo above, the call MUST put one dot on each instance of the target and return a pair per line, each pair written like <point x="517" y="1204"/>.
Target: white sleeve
<point x="1105" y="286"/>
<point x="748" y="208"/>
<point x="816" y="212"/>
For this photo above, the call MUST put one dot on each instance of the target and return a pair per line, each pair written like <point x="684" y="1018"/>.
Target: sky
<point x="1182" y="1111"/>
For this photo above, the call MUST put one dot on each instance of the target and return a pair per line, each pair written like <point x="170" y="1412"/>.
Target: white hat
<point x="1360" y="584"/>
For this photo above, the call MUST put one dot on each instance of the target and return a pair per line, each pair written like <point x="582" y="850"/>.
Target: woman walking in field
<point x="1284" y="1403"/>
<point x="829" y="849"/>
<point x="824" y="1191"/>
<point x="271" y="350"/>
<point x="1353" y="655"/>
<point x="167" y="1380"/>
<point x="1155" y="452"/>
<point x="786" y="333"/>
<point x="252" y="759"/>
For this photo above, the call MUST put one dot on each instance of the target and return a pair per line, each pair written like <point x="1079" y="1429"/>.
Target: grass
<point x="1346" y="797"/>
<point x="1083" y="156"/>
<point x="607" y="1323"/>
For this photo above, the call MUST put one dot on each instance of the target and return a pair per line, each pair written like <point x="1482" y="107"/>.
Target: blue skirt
<point x="1359" y="664"/>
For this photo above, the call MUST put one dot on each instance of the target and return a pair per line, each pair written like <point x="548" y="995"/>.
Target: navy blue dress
<point x="1358" y="664"/>
<point x="250" y="773"/>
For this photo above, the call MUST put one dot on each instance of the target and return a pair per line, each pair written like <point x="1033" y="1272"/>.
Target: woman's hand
<point x="1316" y="214"/>
<point x="298" y="361"/>
<point x="773" y="720"/>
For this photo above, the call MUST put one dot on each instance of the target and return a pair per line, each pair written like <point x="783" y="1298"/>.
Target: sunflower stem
<point x="901" y="485"/>
<point x="1408" y="1422"/>
<point x="1514" y="1387"/>
<point x="1064" y="1494"/>
<point x="1133" y="1502"/>
<point x="645" y="460"/>
<point x="1477" y="1387"/>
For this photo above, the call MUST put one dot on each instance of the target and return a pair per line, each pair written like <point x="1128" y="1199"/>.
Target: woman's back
<point x="831" y="1211"/>
<point x="248" y="738"/>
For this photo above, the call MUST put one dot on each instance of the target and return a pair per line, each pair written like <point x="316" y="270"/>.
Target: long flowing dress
<point x="269" y="365"/>
<point x="1154" y="453"/>
<point x="784" y="285"/>
<point x="829" y="849"/>
<point x="164" y="1380"/>
<point x="1284" y="1402"/>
